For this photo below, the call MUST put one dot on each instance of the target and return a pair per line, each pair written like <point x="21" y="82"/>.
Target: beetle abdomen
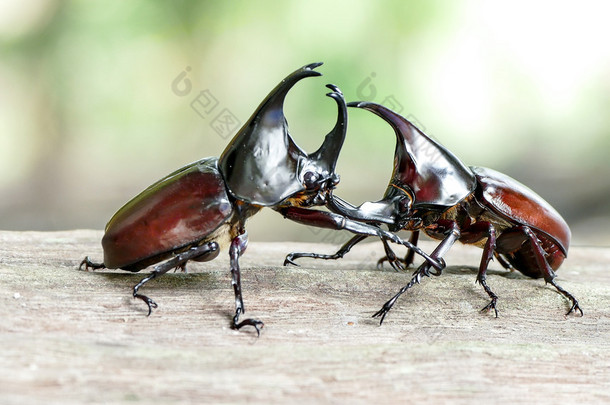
<point x="513" y="200"/>
<point x="179" y="210"/>
<point x="524" y="259"/>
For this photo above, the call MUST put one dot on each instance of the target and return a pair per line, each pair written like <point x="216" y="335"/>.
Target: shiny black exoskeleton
<point x="195" y="211"/>
<point x="433" y="191"/>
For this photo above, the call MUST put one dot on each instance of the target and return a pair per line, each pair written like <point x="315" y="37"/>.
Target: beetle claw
<point x="396" y="263"/>
<point x="255" y="323"/>
<point x="575" y="307"/>
<point x="490" y="306"/>
<point x="151" y="304"/>
<point x="381" y="313"/>
<point x="289" y="260"/>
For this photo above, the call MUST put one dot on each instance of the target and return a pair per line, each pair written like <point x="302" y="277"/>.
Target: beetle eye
<point x="310" y="179"/>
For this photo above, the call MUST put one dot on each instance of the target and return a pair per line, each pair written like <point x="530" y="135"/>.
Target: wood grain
<point x="73" y="337"/>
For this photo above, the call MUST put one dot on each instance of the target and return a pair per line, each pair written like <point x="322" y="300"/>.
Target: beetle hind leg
<point x="503" y="262"/>
<point x="575" y="306"/>
<point x="547" y="271"/>
<point x="179" y="260"/>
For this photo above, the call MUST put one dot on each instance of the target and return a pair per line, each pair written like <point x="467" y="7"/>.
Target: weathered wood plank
<point x="70" y="336"/>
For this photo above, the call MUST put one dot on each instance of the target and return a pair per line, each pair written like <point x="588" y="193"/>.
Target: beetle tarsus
<point x="575" y="306"/>
<point x="494" y="298"/>
<point x="390" y="257"/>
<point x="384" y="310"/>
<point x="255" y="323"/>
<point x="337" y="255"/>
<point x="178" y="261"/>
<point x="491" y="305"/>
<point x="290" y="259"/>
<point x="151" y="304"/>
<point x="388" y="305"/>
<point x="90" y="265"/>
<point x="396" y="263"/>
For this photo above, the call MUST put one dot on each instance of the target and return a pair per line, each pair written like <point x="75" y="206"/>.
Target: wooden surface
<point x="75" y="337"/>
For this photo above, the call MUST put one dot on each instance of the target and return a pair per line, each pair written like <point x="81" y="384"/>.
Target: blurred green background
<point x="96" y="96"/>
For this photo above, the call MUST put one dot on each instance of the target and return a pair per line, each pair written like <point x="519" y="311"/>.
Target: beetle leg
<point x="323" y="219"/>
<point x="503" y="262"/>
<point x="90" y="265"/>
<point x="390" y="257"/>
<point x="177" y="261"/>
<point x="472" y="234"/>
<point x="423" y="270"/>
<point x="238" y="247"/>
<point x="339" y="254"/>
<point x="547" y="271"/>
<point x="394" y="261"/>
<point x="410" y="253"/>
<point x="388" y="305"/>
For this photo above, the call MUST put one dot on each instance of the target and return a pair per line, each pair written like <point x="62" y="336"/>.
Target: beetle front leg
<point x="337" y="255"/>
<point x="323" y="219"/>
<point x="238" y="247"/>
<point x="423" y="270"/>
<point x="180" y="259"/>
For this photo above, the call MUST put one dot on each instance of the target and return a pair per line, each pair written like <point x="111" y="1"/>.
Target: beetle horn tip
<point x="312" y="66"/>
<point x="334" y="88"/>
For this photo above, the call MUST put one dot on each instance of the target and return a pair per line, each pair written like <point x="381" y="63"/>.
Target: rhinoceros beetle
<point x="195" y="211"/>
<point x="432" y="190"/>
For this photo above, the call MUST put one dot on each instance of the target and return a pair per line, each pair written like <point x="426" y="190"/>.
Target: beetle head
<point x="263" y="166"/>
<point x="425" y="172"/>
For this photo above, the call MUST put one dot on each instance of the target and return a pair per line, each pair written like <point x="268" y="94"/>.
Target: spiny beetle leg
<point x="339" y="254"/>
<point x="547" y="271"/>
<point x="421" y="271"/>
<point x="494" y="297"/>
<point x="179" y="260"/>
<point x="323" y="219"/>
<point x="453" y="234"/>
<point x="575" y="306"/>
